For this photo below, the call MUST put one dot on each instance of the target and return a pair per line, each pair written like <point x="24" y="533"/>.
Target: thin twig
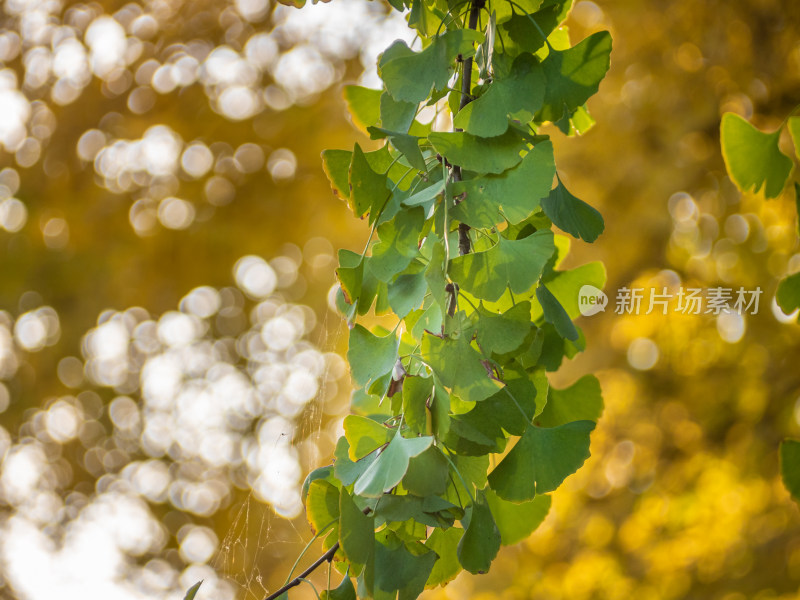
<point x="327" y="557"/>
<point x="464" y="245"/>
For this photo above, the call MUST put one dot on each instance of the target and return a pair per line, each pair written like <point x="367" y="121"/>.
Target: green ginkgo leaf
<point x="481" y="540"/>
<point x="325" y="473"/>
<point x="481" y="155"/>
<point x="523" y="397"/>
<point x="370" y="356"/>
<point x="518" y="96"/>
<point x="344" y="591"/>
<point x="790" y="467"/>
<point x="417" y="392"/>
<point x="516" y="521"/>
<point x="406" y="144"/>
<point x="357" y="532"/>
<point x="572" y="214"/>
<point x="391" y="465"/>
<point x="427" y="474"/>
<point x="514" y="264"/>
<point x="582" y="401"/>
<point x="399" y="568"/>
<point x="396" y="115"/>
<point x="368" y="189"/>
<point x="346" y="470"/>
<point x="336" y="164"/>
<point x="363" y="104"/>
<point x="322" y="505"/>
<point x="409" y="76"/>
<point x="555" y="314"/>
<point x="502" y="333"/>
<point x="752" y="157"/>
<point x="364" y="435"/>
<point x="574" y="75"/>
<point x="445" y="543"/>
<point x="566" y="285"/>
<point x="788" y="294"/>
<point x="524" y="34"/>
<point x="541" y="460"/>
<point x="514" y="195"/>
<point x="399" y="243"/>
<point x="458" y="366"/>
<point x="407" y="292"/>
<point x="192" y="591"/>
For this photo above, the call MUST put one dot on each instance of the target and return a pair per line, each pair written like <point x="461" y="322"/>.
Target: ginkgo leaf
<point x="409" y="76"/>
<point x="481" y="155"/>
<point x="565" y="286"/>
<point x="514" y="264"/>
<point x="555" y="314"/>
<point x="788" y="294"/>
<point x="523" y="33"/>
<point x="425" y="196"/>
<point x="574" y="75"/>
<point x="350" y="274"/>
<point x="475" y="433"/>
<point x="514" y="195"/>
<point x="502" y="333"/>
<point x="396" y="115"/>
<point x="399" y="243"/>
<point x="406" y="144"/>
<point x="390" y="466"/>
<point x="363" y="104"/>
<point x="344" y="591"/>
<point x="541" y="460"/>
<point x="406" y="292"/>
<point x="582" y="401"/>
<point x="518" y="96"/>
<point x="356" y="532"/>
<point x="364" y="435"/>
<point x="445" y="543"/>
<point x="516" y="521"/>
<point x="514" y="407"/>
<point x="192" y="591"/>
<point x="367" y="187"/>
<point x="345" y="469"/>
<point x="325" y="473"/>
<point x="322" y="505"/>
<point x="481" y="540"/>
<point x="417" y="393"/>
<point x="336" y="164"/>
<point x="427" y="474"/>
<point x="431" y="511"/>
<point x="370" y="356"/>
<point x="572" y="214"/>
<point x="400" y="568"/>
<point x="752" y="157"/>
<point x="459" y="367"/>
<point x="790" y="467"/>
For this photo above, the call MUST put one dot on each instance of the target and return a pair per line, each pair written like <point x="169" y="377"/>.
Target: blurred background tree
<point x="167" y="350"/>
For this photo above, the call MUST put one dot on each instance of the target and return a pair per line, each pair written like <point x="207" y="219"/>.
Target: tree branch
<point x="464" y="245"/>
<point x="327" y="557"/>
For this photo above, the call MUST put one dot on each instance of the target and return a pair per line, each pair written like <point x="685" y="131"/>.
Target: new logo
<point x="591" y="300"/>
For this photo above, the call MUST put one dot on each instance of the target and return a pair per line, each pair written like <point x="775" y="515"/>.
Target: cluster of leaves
<point x="756" y="164"/>
<point x="455" y="437"/>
